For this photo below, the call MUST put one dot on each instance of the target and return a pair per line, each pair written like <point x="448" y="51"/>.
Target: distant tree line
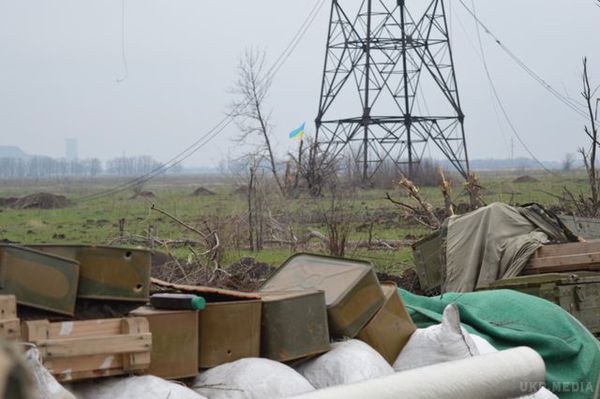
<point x="46" y="167"/>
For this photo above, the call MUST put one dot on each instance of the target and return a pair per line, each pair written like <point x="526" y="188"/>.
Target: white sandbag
<point x="501" y="375"/>
<point x="45" y="385"/>
<point x="437" y="344"/>
<point x="251" y="378"/>
<point x="348" y="362"/>
<point x="146" y="387"/>
<point x="445" y="342"/>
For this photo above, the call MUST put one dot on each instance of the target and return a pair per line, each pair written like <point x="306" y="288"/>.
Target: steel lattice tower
<point x="381" y="57"/>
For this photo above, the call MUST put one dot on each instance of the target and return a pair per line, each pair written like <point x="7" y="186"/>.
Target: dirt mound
<point x="526" y="179"/>
<point x="143" y="194"/>
<point x="202" y="192"/>
<point x="7" y="202"/>
<point x="41" y="201"/>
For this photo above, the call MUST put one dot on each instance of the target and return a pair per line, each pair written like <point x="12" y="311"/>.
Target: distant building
<point x="71" y="149"/>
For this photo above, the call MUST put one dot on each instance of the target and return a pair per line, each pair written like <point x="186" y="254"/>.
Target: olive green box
<point x="174" y="342"/>
<point x="577" y="293"/>
<point x="108" y="273"/>
<point x="228" y="331"/>
<point x="391" y="327"/>
<point x="352" y="292"/>
<point x="294" y="325"/>
<point x="38" y="279"/>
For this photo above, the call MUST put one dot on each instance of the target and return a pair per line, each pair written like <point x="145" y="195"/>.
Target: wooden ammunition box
<point x="229" y="331"/>
<point x="174" y="342"/>
<point x="294" y="325"/>
<point x="390" y="329"/>
<point x="352" y="292"/>
<point x="38" y="279"/>
<point x="565" y="258"/>
<point x="577" y="293"/>
<point x="10" y="326"/>
<point x="78" y="350"/>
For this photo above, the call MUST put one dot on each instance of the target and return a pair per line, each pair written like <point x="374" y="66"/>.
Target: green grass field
<point x="96" y="221"/>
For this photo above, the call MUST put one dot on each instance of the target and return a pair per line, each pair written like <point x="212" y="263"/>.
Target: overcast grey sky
<point x="60" y="61"/>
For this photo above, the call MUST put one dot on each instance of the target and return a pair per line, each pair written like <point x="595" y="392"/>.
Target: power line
<point x="565" y="100"/>
<point x="223" y="123"/>
<point x="123" y="50"/>
<point x="497" y="96"/>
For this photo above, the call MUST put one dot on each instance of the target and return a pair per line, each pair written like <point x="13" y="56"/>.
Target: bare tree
<point x="589" y="156"/>
<point x="251" y="89"/>
<point x="587" y="205"/>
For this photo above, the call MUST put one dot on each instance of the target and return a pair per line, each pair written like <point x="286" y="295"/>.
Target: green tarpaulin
<point x="509" y="319"/>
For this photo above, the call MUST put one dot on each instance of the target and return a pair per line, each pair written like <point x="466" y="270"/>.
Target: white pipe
<point x="506" y="374"/>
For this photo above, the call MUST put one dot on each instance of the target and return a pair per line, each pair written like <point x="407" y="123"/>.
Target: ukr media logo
<point x="559" y="387"/>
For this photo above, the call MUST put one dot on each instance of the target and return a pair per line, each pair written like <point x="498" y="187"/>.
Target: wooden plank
<point x="85" y="328"/>
<point x="85" y="363"/>
<point x="573" y="248"/>
<point x="71" y="347"/>
<point x="567" y="260"/>
<point x="205" y="290"/>
<point x="562" y="269"/>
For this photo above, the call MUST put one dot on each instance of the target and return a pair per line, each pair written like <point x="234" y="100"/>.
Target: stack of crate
<point x="308" y="302"/>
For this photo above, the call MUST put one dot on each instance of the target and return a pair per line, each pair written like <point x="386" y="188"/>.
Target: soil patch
<point x="526" y="179"/>
<point x="7" y="202"/>
<point x="41" y="201"/>
<point x="202" y="192"/>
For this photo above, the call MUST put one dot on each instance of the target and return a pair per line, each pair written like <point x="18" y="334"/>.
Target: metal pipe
<point x="506" y="374"/>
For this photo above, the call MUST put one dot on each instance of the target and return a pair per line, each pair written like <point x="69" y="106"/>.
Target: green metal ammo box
<point x="427" y="255"/>
<point x="228" y="331"/>
<point x="293" y="325"/>
<point x="108" y="273"/>
<point x="38" y="279"/>
<point x="577" y="293"/>
<point x="352" y="292"/>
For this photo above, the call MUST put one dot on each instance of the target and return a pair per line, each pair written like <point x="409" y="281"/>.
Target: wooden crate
<point x="577" y="293"/>
<point x="563" y="258"/>
<point x="10" y="327"/>
<point x="174" y="342"/>
<point x="77" y="350"/>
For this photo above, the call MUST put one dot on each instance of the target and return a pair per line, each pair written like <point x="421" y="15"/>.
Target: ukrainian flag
<point x="298" y="133"/>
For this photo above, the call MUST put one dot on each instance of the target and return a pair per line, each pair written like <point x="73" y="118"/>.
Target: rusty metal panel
<point x="352" y="291"/>
<point x="294" y="325"/>
<point x="108" y="272"/>
<point x="577" y="293"/>
<point x="229" y="331"/>
<point x="390" y="329"/>
<point x="174" y="342"/>
<point x="38" y="279"/>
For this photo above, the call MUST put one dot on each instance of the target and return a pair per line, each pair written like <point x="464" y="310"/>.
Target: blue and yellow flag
<point x="298" y="133"/>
